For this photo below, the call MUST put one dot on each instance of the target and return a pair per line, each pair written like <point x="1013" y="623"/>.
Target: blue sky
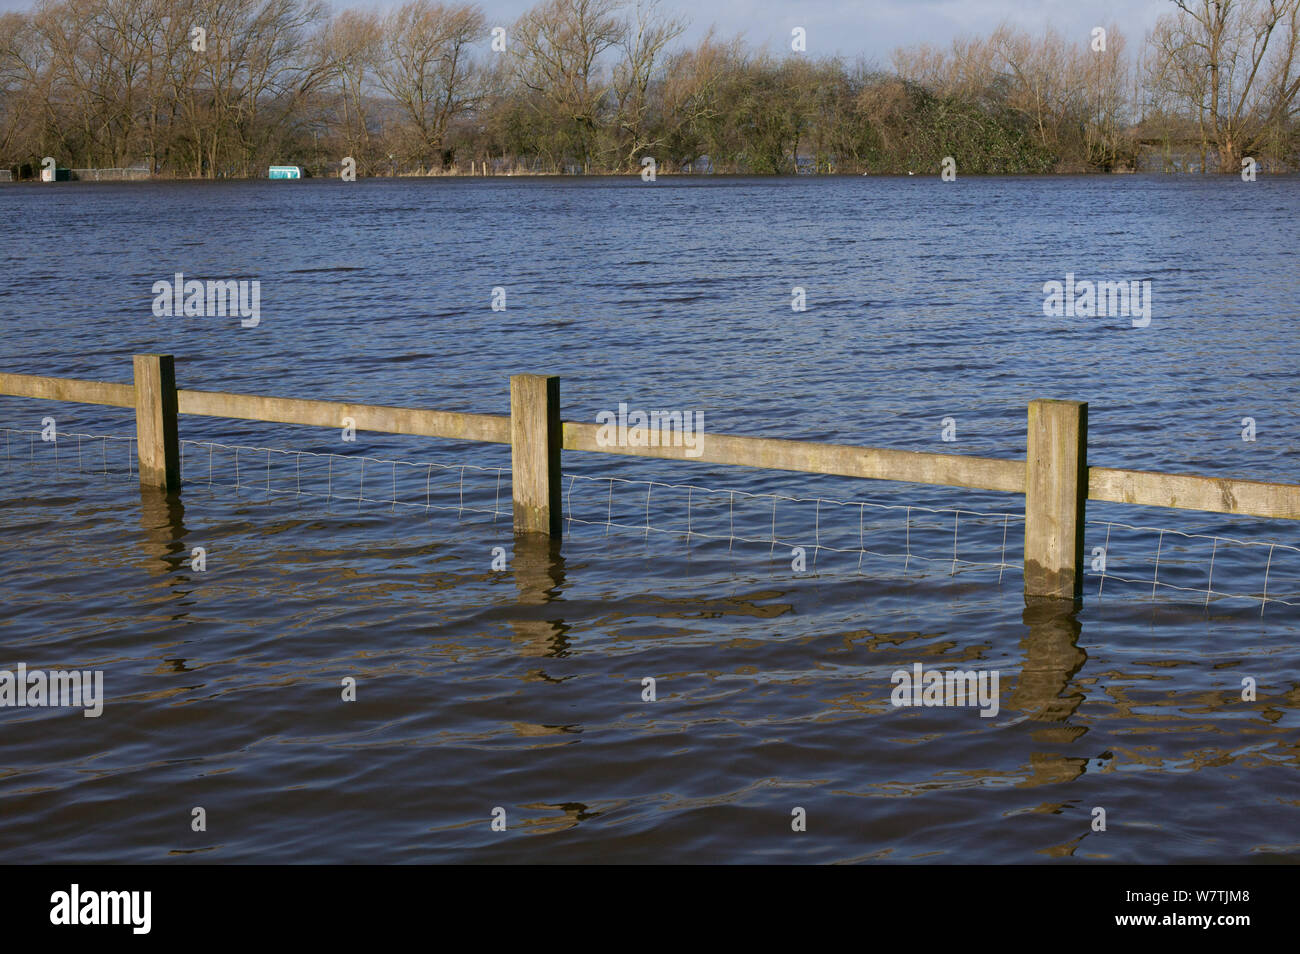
<point x="872" y="29"/>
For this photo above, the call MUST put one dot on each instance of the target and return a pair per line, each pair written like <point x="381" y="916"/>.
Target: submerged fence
<point x="1054" y="478"/>
<point x="824" y="534"/>
<point x="129" y="174"/>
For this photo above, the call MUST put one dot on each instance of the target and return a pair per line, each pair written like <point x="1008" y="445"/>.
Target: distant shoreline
<point x="662" y="175"/>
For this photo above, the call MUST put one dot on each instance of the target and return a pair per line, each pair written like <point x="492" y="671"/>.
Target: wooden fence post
<point x="157" y="444"/>
<point x="535" y="442"/>
<point x="1056" y="495"/>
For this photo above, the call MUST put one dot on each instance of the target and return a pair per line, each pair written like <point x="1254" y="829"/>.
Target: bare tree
<point x="644" y="39"/>
<point x="557" y="48"/>
<point x="425" y="65"/>
<point x="1233" y="65"/>
<point x="353" y="43"/>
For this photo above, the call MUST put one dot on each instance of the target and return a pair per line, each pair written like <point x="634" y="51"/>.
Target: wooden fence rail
<point x="1054" y="477"/>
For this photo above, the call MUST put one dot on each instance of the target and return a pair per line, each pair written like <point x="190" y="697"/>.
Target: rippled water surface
<point x="522" y="688"/>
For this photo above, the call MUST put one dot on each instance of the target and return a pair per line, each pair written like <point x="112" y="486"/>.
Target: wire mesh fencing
<point x="866" y="531"/>
<point x="425" y="485"/>
<point x="1155" y="561"/>
<point x="89" y="453"/>
<point x="826" y="534"/>
<point x="413" y="485"/>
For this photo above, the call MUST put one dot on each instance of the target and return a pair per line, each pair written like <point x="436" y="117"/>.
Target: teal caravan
<point x="285" y="172"/>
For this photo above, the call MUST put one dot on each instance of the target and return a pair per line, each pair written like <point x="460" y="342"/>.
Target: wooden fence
<point x="1054" y="477"/>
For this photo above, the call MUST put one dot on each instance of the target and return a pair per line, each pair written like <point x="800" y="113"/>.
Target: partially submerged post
<point x="1056" y="494"/>
<point x="157" y="443"/>
<point x="536" y="438"/>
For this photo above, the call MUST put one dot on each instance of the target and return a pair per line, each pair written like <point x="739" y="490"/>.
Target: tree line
<point x="217" y="88"/>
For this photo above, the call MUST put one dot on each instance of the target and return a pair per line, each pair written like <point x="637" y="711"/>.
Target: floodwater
<point x="503" y="679"/>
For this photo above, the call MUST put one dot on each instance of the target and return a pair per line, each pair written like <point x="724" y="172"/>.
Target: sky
<point x="854" y="28"/>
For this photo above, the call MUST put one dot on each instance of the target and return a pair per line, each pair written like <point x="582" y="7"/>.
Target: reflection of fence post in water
<point x="162" y="518"/>
<point x="1056" y="495"/>
<point x="538" y="567"/>
<point x="1052" y="658"/>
